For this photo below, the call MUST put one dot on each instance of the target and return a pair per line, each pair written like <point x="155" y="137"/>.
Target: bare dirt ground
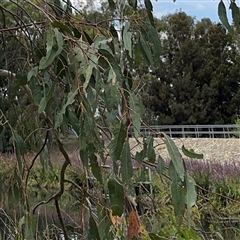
<point x="219" y="149"/>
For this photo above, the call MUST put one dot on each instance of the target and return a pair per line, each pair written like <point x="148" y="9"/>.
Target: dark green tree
<point x="197" y="81"/>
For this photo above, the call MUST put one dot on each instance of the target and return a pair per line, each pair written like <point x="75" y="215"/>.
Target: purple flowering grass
<point x="214" y="170"/>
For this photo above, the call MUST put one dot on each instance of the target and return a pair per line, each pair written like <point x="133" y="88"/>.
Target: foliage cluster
<point x="197" y="82"/>
<point x="215" y="215"/>
<point x="80" y="74"/>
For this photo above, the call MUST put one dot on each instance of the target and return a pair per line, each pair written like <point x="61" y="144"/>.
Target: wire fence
<point x="194" y="131"/>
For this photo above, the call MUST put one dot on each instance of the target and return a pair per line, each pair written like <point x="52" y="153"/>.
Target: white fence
<point x="195" y="131"/>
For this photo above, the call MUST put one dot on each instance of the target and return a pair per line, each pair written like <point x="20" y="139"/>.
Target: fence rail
<point x="195" y="131"/>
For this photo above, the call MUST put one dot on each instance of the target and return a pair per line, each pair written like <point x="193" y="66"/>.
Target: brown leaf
<point x="133" y="225"/>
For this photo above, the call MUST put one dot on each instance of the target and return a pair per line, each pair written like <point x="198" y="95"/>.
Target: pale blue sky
<point x="197" y="8"/>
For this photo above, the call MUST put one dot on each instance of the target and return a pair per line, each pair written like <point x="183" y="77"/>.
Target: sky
<point x="196" y="8"/>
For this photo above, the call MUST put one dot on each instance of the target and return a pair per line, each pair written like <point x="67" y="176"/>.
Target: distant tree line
<point x="198" y="79"/>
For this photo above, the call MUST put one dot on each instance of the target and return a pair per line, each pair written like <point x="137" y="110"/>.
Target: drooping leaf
<point x="93" y="233"/>
<point x="116" y="195"/>
<point x="154" y="38"/>
<point x="70" y="100"/>
<point x="161" y="165"/>
<point x="127" y="38"/>
<point x="126" y="162"/>
<point x="42" y="104"/>
<point x="235" y="13"/>
<point x="62" y="27"/>
<point x="136" y="114"/>
<point x="151" y="155"/>
<point x="87" y="77"/>
<point x="73" y="120"/>
<point x="191" y="195"/>
<point x="96" y="170"/>
<point x="116" y="145"/>
<point x="223" y="15"/>
<point x="191" y="154"/>
<point x="54" y="48"/>
<point x="146" y="50"/>
<point x="178" y="194"/>
<point x="20" y="144"/>
<point x="149" y="7"/>
<point x="140" y="156"/>
<point x="59" y="39"/>
<point x="104" y="223"/>
<point x="175" y="156"/>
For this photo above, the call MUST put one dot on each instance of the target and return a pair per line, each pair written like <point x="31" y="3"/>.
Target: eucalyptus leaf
<point x="191" y="154"/>
<point x="117" y="143"/>
<point x="93" y="233"/>
<point x="223" y="15"/>
<point x="178" y="191"/>
<point x="160" y="165"/>
<point x="20" y="144"/>
<point x="70" y="100"/>
<point x="149" y="7"/>
<point x="116" y="196"/>
<point x="191" y="195"/>
<point x="235" y="13"/>
<point x="127" y="38"/>
<point x="126" y="163"/>
<point x="175" y="156"/>
<point x="136" y="113"/>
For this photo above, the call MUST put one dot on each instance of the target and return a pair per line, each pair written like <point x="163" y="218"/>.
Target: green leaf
<point x="136" y="114"/>
<point x="62" y="27"/>
<point x="31" y="73"/>
<point x="127" y="38"/>
<point x="175" y="156"/>
<point x="104" y="223"/>
<point x="151" y="155"/>
<point x="93" y="233"/>
<point x="116" y="195"/>
<point x="149" y="7"/>
<point x="70" y="100"/>
<point x="235" y="13"/>
<point x="96" y="170"/>
<point x="140" y="156"/>
<point x="191" y="195"/>
<point x="126" y="163"/>
<point x="223" y="15"/>
<point x="178" y="194"/>
<point x="146" y="51"/>
<point x="42" y="105"/>
<point x="87" y="77"/>
<point x="116" y="145"/>
<point x="154" y="39"/>
<point x="161" y="165"/>
<point x="54" y="38"/>
<point x="191" y="154"/>
<point x="73" y="120"/>
<point x="20" y="144"/>
<point x="59" y="39"/>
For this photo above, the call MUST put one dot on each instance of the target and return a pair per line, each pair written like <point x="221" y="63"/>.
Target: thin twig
<point x="61" y="220"/>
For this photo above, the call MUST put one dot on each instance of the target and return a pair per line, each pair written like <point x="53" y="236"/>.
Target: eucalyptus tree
<point x="71" y="66"/>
